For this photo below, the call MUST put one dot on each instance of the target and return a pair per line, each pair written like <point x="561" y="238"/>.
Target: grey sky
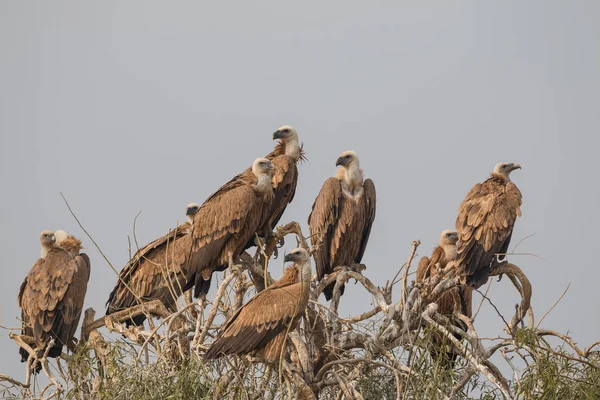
<point x="129" y="106"/>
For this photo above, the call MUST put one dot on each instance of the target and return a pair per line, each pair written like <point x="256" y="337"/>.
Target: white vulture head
<point x="504" y="169"/>
<point x="286" y="133"/>
<point x="67" y="242"/>
<point x="448" y="237"/>
<point x="191" y="210"/>
<point x="262" y="166"/>
<point x="347" y="159"/>
<point x="300" y="257"/>
<point x="47" y="240"/>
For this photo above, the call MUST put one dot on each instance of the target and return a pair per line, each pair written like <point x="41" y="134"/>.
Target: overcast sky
<point x="146" y="106"/>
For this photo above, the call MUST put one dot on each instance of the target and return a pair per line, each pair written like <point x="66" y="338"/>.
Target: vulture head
<point x="285" y="133"/>
<point x="262" y="166"/>
<point x="504" y="169"/>
<point x="191" y="210"/>
<point x="448" y="237"/>
<point x="298" y="256"/>
<point x="47" y="238"/>
<point x="60" y="235"/>
<point x="347" y="159"/>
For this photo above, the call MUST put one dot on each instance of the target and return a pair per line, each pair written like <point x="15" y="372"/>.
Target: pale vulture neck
<point x="449" y="251"/>
<point x="264" y="183"/>
<point x="292" y="148"/>
<point x="353" y="180"/>
<point x="503" y="177"/>
<point x="44" y="251"/>
<point x="306" y="273"/>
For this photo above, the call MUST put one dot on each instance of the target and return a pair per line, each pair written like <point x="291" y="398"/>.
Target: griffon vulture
<point x="160" y="270"/>
<point x="52" y="294"/>
<point x="285" y="158"/>
<point x="228" y="219"/>
<point x="262" y="324"/>
<point x="341" y="218"/>
<point x="485" y="223"/>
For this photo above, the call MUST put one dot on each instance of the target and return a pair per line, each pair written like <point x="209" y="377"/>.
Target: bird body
<point x="51" y="296"/>
<point x="160" y="270"/>
<point x="341" y="219"/>
<point x="262" y="324"/>
<point x="485" y="222"/>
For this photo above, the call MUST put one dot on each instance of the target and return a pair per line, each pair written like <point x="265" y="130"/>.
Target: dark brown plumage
<point x="341" y="219"/>
<point x="228" y="219"/>
<point x="160" y="270"/>
<point x="485" y="222"/>
<point x="262" y="324"/>
<point x="457" y="297"/>
<point x="51" y="296"/>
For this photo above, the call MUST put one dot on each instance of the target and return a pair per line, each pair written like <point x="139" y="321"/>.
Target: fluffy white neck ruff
<point x="352" y="182"/>
<point x="449" y="251"/>
<point x="292" y="148"/>
<point x="264" y="183"/>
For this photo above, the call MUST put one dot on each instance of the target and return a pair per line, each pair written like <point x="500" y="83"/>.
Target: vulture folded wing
<point x="259" y="321"/>
<point x="284" y="181"/>
<point x="145" y="270"/>
<point x="53" y="297"/>
<point x="370" y="203"/>
<point x="423" y="271"/>
<point x="485" y="221"/>
<point x="322" y="221"/>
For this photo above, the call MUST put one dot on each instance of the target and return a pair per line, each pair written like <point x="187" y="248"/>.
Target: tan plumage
<point x="485" y="223"/>
<point x="341" y="218"/>
<point x="457" y="298"/>
<point x="429" y="267"/>
<point x="160" y="270"/>
<point x="51" y="296"/>
<point x="285" y="157"/>
<point x="262" y="324"/>
<point x="228" y="219"/>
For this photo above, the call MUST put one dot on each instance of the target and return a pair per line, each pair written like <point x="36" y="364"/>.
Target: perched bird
<point x="485" y="222"/>
<point x="285" y="157"/>
<point x="341" y="218"/>
<point x="262" y="324"/>
<point x="444" y="253"/>
<point x="227" y="220"/>
<point x="52" y="294"/>
<point x="160" y="270"/>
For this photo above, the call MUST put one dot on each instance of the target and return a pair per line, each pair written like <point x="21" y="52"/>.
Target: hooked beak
<point x="277" y="135"/>
<point x="288" y="258"/>
<point x="516" y="166"/>
<point x="270" y="166"/>
<point x="340" y="161"/>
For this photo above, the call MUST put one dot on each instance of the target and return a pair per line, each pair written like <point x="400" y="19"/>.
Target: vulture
<point x="429" y="267"/>
<point x="485" y="222"/>
<point x="52" y="294"/>
<point x="341" y="219"/>
<point x="160" y="270"/>
<point x="285" y="157"/>
<point x="262" y="324"/>
<point x="227" y="220"/>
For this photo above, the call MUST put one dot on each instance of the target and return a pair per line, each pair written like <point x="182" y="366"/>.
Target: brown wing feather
<point x="423" y="269"/>
<point x="370" y="204"/>
<point x="271" y="312"/>
<point x="52" y="298"/>
<point x="284" y="181"/>
<point x="154" y="271"/>
<point x="223" y="225"/>
<point x="322" y="221"/>
<point x="485" y="222"/>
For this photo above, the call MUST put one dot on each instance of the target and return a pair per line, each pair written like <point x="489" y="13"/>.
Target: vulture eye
<point x="286" y="130"/>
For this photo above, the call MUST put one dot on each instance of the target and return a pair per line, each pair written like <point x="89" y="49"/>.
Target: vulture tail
<point x="328" y="291"/>
<point x="478" y="278"/>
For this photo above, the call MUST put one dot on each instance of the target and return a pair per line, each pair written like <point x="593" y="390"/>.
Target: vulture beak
<point x="270" y="166"/>
<point x="277" y="135"/>
<point x="516" y="166"/>
<point x="288" y="257"/>
<point x="340" y="161"/>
